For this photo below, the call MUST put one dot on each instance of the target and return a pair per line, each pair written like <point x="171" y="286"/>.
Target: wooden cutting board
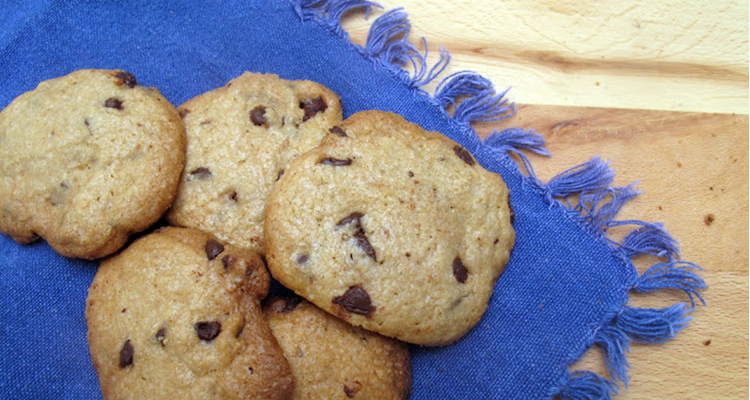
<point x="661" y="90"/>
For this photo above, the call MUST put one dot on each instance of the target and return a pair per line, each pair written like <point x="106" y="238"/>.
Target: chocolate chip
<point x="290" y="304"/>
<point x="161" y="335"/>
<point x="349" y="392"/>
<point x="353" y="217"/>
<point x="208" y="330"/>
<point x="126" y="354"/>
<point x="338" y="131"/>
<point x="233" y="196"/>
<point x="335" y="162"/>
<point x="281" y="173"/>
<point x="201" y="173"/>
<point x="312" y="107"/>
<point x="228" y="260"/>
<point x="184" y="112"/>
<point x="113" y="103"/>
<point x="411" y="174"/>
<point x="359" y="235"/>
<point x="213" y="249"/>
<point x="302" y="258"/>
<point x="463" y="154"/>
<point x="512" y="213"/>
<point x="258" y="116"/>
<point x="459" y="270"/>
<point x="364" y="244"/>
<point x="355" y="300"/>
<point x="127" y="78"/>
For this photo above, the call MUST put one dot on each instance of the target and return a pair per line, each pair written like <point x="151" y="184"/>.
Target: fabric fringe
<point x="586" y="385"/>
<point x="649" y="238"/>
<point x="674" y="275"/>
<point x="585" y="192"/>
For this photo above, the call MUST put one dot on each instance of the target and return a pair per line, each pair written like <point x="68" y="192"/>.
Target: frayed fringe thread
<point x="646" y="325"/>
<point x="473" y="98"/>
<point x="650" y="238"/>
<point x="598" y="203"/>
<point x="675" y="275"/>
<point x="586" y="385"/>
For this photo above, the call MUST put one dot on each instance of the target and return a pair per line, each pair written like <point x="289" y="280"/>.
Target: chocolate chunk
<point x="201" y="173"/>
<point x="213" y="249"/>
<point x="290" y="304"/>
<point x="126" y="354"/>
<point x="464" y="155"/>
<point x="302" y="258"/>
<point x="113" y="103"/>
<point x="208" y="330"/>
<point x="353" y="217"/>
<point x="364" y="244"/>
<point x="127" y="78"/>
<point x="312" y="107"/>
<point x="258" y="116"/>
<point x="335" y="162"/>
<point x="228" y="260"/>
<point x="459" y="270"/>
<point x="161" y="335"/>
<point x="355" y="300"/>
<point x="349" y="392"/>
<point x="338" y="131"/>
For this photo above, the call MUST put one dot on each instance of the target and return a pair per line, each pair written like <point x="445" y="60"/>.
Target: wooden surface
<point x="661" y="90"/>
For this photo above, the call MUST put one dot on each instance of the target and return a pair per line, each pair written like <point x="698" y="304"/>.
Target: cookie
<point x="87" y="159"/>
<point x="331" y="359"/>
<point x="241" y="139"/>
<point x="392" y="228"/>
<point x="177" y="315"/>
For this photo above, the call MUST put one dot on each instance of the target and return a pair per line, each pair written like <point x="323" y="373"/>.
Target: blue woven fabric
<point x="563" y="291"/>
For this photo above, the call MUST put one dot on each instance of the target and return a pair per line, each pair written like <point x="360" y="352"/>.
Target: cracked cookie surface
<point x="87" y="159"/>
<point x="392" y="228"/>
<point x="241" y="139"/>
<point x="177" y="315"/>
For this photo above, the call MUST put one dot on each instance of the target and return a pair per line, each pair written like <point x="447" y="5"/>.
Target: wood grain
<point x="661" y="90"/>
<point x="669" y="55"/>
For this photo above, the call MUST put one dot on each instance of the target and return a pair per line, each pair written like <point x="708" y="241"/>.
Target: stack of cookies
<point x="387" y="234"/>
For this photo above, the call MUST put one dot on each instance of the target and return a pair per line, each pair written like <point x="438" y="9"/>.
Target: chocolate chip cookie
<point x="331" y="359"/>
<point x="241" y="139"/>
<point x="392" y="228"/>
<point x="87" y="159"/>
<point x="177" y="315"/>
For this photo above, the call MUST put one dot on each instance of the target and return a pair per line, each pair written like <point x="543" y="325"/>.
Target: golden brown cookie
<point x="391" y="228"/>
<point x="241" y="139"/>
<point x="331" y="359"/>
<point x="87" y="159"/>
<point x="177" y="315"/>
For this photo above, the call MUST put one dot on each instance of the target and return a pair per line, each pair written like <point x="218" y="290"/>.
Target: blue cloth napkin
<point x="564" y="290"/>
